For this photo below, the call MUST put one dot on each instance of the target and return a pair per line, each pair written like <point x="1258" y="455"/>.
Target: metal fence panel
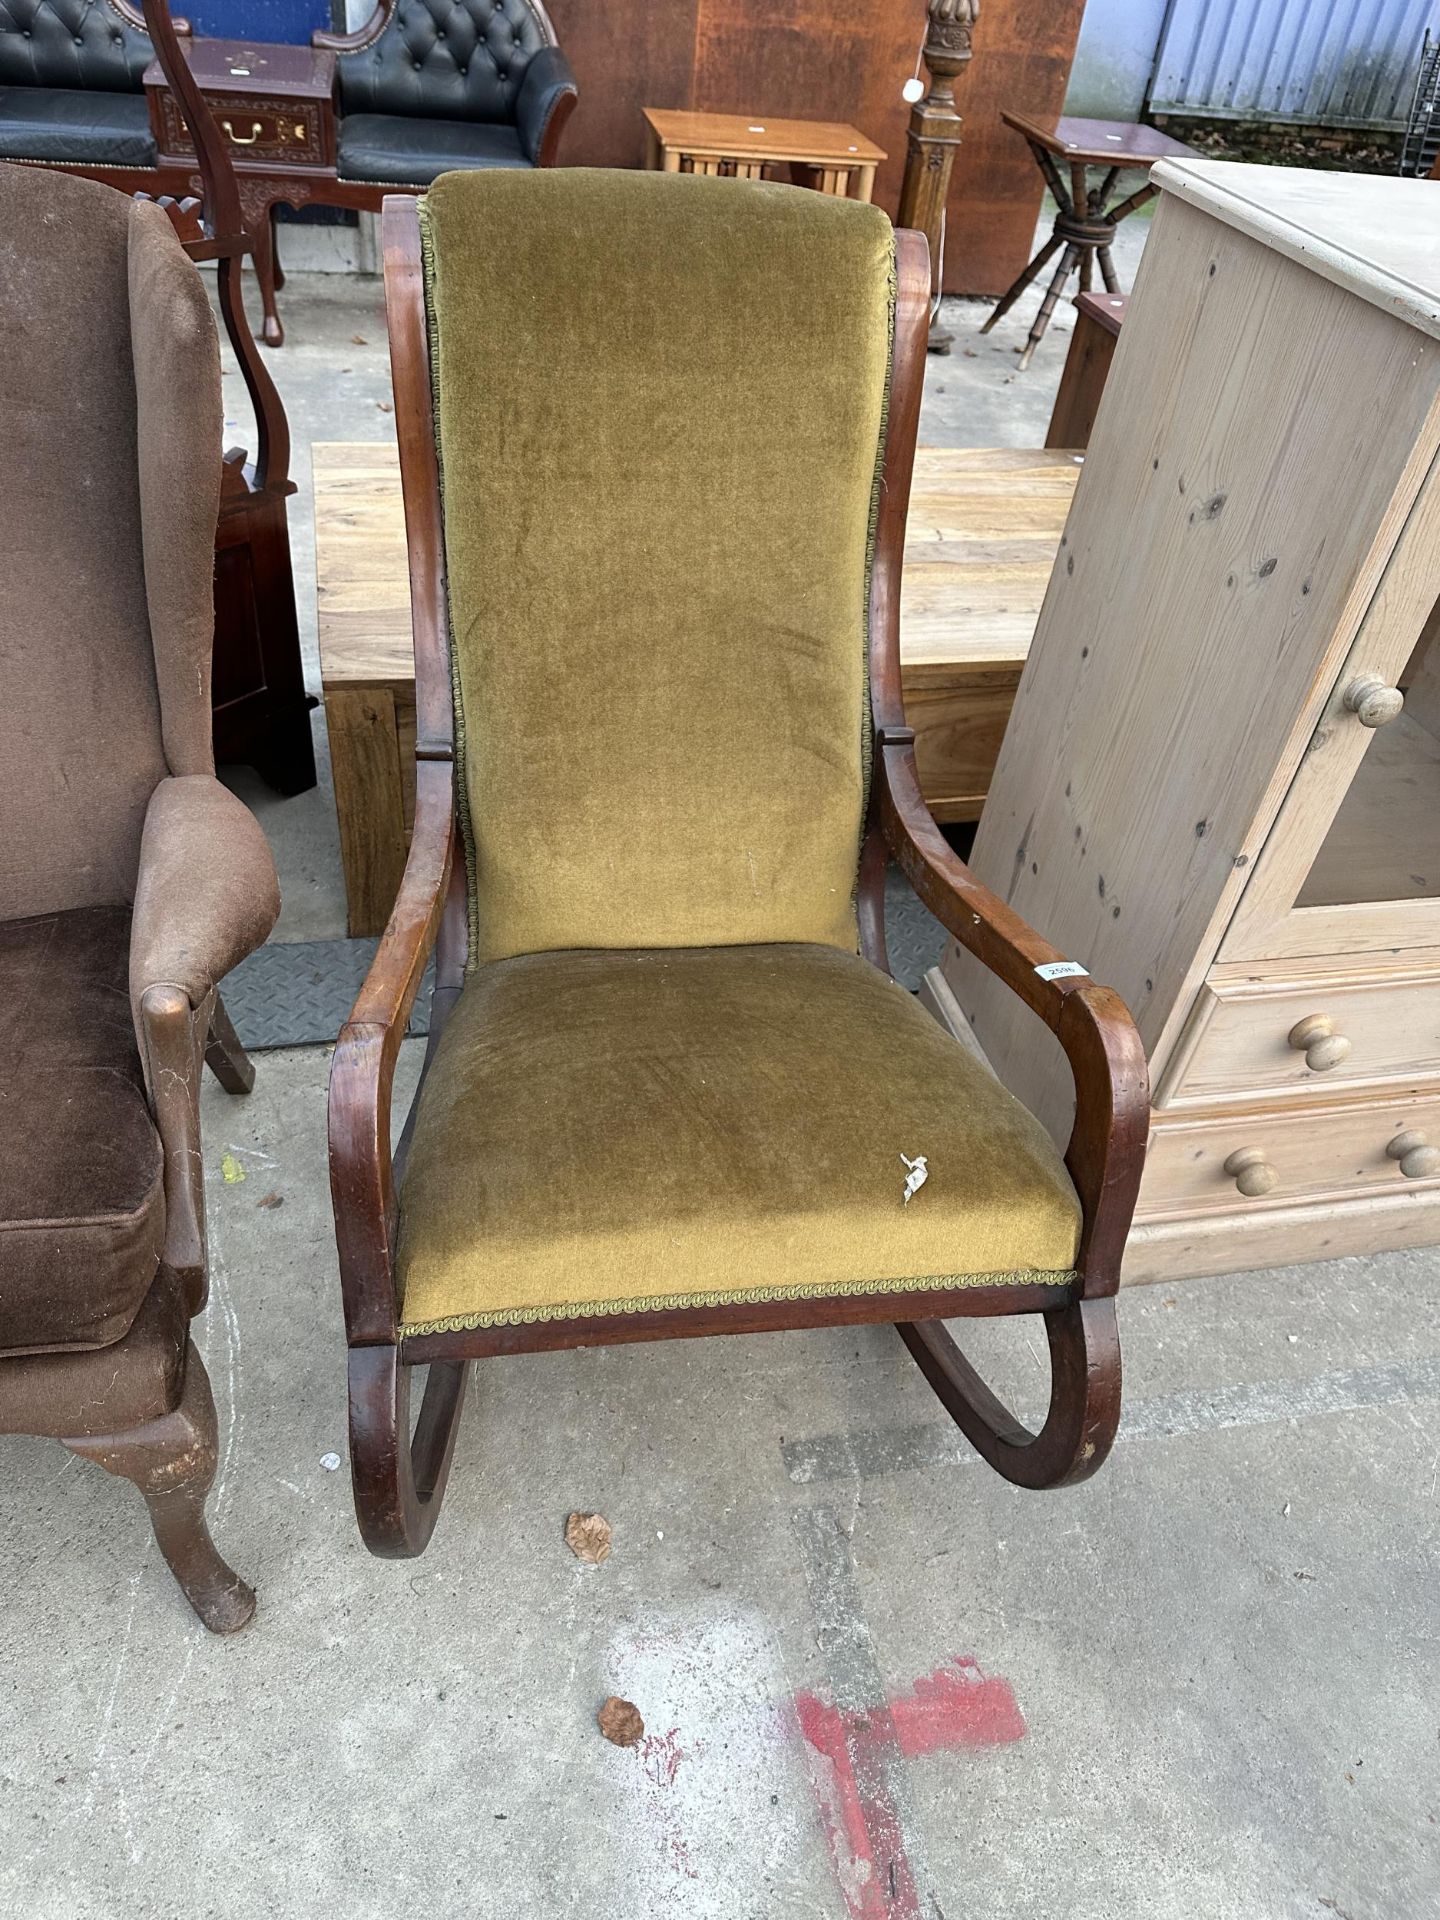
<point x="1344" y="63"/>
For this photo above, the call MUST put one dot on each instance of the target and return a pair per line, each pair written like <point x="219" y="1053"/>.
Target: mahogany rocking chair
<point x="669" y="1085"/>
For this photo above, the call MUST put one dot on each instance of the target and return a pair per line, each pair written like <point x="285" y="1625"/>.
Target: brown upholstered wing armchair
<point x="130" y="879"/>
<point x="670" y="1088"/>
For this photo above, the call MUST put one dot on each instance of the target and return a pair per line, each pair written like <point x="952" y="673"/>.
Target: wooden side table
<point x="1084" y="225"/>
<point x="274" y="106"/>
<point x="1098" y="319"/>
<point x="826" y="155"/>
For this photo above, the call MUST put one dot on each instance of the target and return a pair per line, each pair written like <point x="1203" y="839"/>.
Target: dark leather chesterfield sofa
<point x="423" y="87"/>
<point x="71" y="89"/>
<point x="430" y="85"/>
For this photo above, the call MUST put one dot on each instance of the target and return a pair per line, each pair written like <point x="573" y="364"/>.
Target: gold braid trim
<point x="733" y="1297"/>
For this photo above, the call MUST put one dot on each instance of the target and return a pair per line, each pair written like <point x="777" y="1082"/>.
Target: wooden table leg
<point x="369" y="801"/>
<point x="277" y="272"/>
<point x="1069" y="260"/>
<point x="1013" y="292"/>
<point x="263" y="235"/>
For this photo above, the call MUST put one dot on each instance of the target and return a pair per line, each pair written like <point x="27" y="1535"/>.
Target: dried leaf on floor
<point x="271" y="1200"/>
<point x="620" y="1722"/>
<point x="359" y="339"/>
<point x="588" y="1537"/>
<point x="384" y="406"/>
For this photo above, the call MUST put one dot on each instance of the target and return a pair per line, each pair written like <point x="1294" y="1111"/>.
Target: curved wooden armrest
<point x="362" y="36"/>
<point x="362" y="1172"/>
<point x="133" y="16"/>
<point x="1106" y="1150"/>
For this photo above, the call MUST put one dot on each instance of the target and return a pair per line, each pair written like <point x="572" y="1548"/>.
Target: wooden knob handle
<point x="1373" y="703"/>
<point x="1322" y="1046"/>
<point x="1251" y="1172"/>
<point x="1418" y="1159"/>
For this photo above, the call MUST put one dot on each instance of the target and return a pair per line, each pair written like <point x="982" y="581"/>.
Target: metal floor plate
<point x="298" y="993"/>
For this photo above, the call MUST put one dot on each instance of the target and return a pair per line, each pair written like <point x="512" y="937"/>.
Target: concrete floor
<point x="1204" y="1684"/>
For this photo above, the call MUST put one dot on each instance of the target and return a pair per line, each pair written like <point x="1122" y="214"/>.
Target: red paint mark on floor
<point x="955" y="1708"/>
<point x="660" y="1755"/>
<point x="862" y="1824"/>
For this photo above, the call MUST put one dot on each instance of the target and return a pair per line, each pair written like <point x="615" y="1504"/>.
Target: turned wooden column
<point x="934" y="135"/>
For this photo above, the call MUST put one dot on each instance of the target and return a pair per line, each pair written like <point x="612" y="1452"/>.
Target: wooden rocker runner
<point x="670" y="1089"/>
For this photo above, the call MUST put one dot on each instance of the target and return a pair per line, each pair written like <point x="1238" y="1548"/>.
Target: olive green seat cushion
<point x="660" y="404"/>
<point x="606" y="1132"/>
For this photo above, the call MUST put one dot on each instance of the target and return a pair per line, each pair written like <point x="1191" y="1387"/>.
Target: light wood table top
<point x="739" y="136"/>
<point x="985" y="523"/>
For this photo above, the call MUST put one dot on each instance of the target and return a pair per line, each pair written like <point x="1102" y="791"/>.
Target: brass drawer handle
<point x="1418" y="1159"/>
<point x="257" y="127"/>
<point x="1252" y="1172"/>
<point x="1322" y="1046"/>
<point x="1372" y="701"/>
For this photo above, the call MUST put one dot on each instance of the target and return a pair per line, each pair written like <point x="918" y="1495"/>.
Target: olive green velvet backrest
<point x="660" y="406"/>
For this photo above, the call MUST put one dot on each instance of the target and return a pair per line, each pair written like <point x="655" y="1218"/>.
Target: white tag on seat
<point x="1062" y="970"/>
<point x="916" y="1177"/>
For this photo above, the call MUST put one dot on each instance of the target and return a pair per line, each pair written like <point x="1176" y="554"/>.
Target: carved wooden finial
<point x="934" y="135"/>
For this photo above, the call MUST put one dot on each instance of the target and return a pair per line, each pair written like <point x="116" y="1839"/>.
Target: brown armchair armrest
<point x="362" y="1171"/>
<point x="362" y="36"/>
<point x="206" y="894"/>
<point x="1106" y="1151"/>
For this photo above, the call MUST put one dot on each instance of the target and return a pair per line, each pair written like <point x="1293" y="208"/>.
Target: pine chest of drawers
<point x="1220" y="785"/>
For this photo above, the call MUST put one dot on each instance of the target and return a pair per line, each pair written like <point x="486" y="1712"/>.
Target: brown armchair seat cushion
<point x="82" y="1209"/>
<point x="76" y="1392"/>
<point x="608" y="1132"/>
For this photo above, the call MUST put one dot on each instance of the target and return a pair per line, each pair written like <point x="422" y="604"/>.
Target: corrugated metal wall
<point x="1343" y="63"/>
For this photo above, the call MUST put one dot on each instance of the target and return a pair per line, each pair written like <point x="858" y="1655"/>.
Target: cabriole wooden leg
<point x="172" y="1461"/>
<point x="224" y="1055"/>
<point x="262" y="236"/>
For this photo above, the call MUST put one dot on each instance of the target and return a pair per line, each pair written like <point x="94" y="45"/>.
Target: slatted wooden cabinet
<point x="1220" y="786"/>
